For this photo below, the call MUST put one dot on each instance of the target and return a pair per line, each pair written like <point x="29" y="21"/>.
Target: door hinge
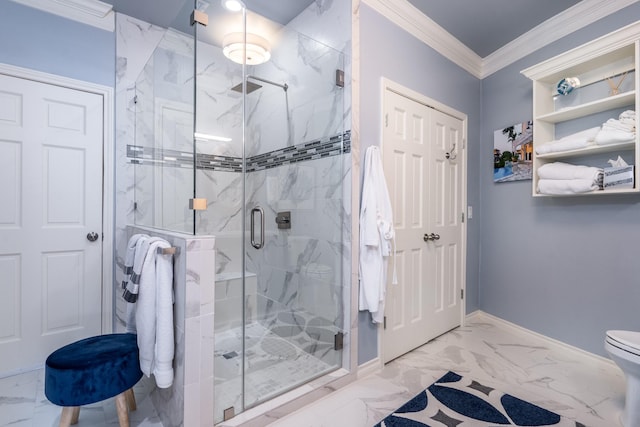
<point x="199" y="17"/>
<point x="386" y="120"/>
<point x="384" y="322"/>
<point x="461" y="293"/>
<point x="338" y="341"/>
<point x="462" y="216"/>
<point x="339" y="78"/>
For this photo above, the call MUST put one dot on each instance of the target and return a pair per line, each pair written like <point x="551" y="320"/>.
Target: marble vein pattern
<point x="571" y="383"/>
<point x="23" y="404"/>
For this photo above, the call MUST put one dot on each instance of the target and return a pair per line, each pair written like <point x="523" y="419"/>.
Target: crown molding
<point x="90" y="12"/>
<point x="594" y="49"/>
<point x="574" y="18"/>
<point x="409" y="18"/>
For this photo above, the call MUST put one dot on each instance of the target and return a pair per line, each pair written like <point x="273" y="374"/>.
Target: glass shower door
<point x="270" y="144"/>
<point x="294" y="312"/>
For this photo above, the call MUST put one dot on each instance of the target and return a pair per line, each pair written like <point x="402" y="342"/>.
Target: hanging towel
<point x="130" y="294"/>
<point x="376" y="236"/>
<point x="154" y="315"/>
<point x="130" y="256"/>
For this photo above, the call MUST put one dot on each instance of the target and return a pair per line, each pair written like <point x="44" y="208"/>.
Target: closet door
<point x="426" y="194"/>
<point x="50" y="219"/>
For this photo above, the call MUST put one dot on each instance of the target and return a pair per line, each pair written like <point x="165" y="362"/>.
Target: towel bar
<point x="169" y="251"/>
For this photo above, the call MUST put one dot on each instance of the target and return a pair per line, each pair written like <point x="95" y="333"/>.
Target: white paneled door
<point x="50" y="219"/>
<point x="423" y="164"/>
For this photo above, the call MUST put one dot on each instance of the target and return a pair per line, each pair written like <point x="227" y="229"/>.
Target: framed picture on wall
<point x="513" y="152"/>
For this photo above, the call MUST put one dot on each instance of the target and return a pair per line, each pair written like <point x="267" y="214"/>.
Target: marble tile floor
<point x="23" y="404"/>
<point x="549" y="374"/>
<point x="571" y="383"/>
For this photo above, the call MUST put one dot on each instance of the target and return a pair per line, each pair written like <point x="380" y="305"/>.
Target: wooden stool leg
<point x="131" y="400"/>
<point x="123" y="412"/>
<point x="69" y="416"/>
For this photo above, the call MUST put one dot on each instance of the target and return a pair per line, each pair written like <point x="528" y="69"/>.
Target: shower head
<point x="251" y="87"/>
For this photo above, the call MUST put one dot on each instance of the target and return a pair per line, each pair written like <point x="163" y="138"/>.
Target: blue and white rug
<point x="455" y="401"/>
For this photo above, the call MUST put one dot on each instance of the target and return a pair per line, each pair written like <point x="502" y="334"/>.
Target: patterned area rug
<point x="455" y="401"/>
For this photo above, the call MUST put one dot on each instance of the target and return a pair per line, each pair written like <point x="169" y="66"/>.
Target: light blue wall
<point x="37" y="40"/>
<point x="567" y="268"/>
<point x="388" y="51"/>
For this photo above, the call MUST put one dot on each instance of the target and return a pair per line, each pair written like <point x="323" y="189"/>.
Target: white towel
<point x="140" y="252"/>
<point x="621" y="125"/>
<point x="566" y="186"/>
<point x="130" y="293"/>
<point x="560" y="170"/>
<point x="131" y="252"/>
<point x="154" y="315"/>
<point x="628" y="114"/>
<point x="130" y="257"/>
<point x="574" y="141"/>
<point x="612" y="136"/>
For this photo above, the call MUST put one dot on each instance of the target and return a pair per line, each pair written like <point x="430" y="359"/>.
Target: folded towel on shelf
<point x="566" y="186"/>
<point x="628" y="114"/>
<point x="613" y="136"/>
<point x="560" y="170"/>
<point x="621" y="125"/>
<point x="574" y="141"/>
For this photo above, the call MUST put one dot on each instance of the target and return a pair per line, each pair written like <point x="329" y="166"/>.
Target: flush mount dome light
<point x="232" y="5"/>
<point x="256" y="50"/>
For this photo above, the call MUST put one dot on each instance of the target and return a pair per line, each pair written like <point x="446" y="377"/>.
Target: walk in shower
<point x="241" y="132"/>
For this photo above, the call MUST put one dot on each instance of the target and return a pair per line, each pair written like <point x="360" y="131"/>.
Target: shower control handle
<point x="283" y="219"/>
<point x="257" y="244"/>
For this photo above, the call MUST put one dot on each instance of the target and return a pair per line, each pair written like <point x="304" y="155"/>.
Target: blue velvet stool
<point x="92" y="370"/>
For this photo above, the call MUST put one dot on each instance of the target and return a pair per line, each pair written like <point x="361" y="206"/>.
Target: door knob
<point x="92" y="237"/>
<point x="432" y="236"/>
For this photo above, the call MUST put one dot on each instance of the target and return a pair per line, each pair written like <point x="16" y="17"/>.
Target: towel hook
<point x="451" y="155"/>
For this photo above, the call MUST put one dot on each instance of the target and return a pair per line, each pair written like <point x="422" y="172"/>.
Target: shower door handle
<point x="260" y="243"/>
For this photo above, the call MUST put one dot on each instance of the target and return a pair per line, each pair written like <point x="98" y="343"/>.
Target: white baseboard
<point x="371" y="367"/>
<point x="479" y="316"/>
<point x="471" y="317"/>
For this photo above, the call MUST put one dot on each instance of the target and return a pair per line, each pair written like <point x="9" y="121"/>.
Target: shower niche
<point x="245" y="115"/>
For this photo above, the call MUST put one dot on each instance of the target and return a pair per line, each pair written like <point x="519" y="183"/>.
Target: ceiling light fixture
<point x="256" y="50"/>
<point x="232" y="5"/>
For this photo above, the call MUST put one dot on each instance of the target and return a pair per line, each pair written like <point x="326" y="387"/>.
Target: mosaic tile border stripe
<point x="321" y="148"/>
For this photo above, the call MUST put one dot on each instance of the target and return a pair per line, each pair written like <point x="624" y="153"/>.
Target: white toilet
<point x="624" y="349"/>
